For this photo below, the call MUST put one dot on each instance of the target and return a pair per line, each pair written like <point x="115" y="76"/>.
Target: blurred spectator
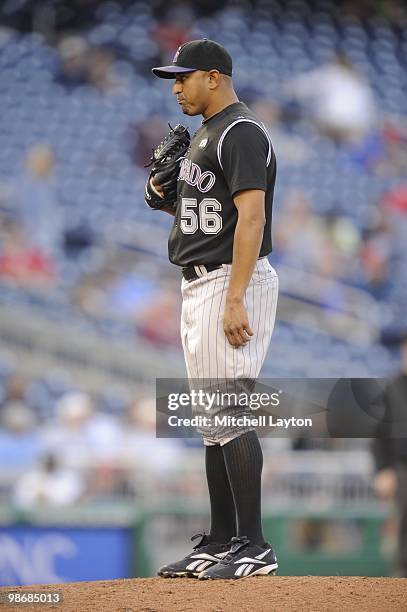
<point x="384" y="153"/>
<point x="151" y="459"/>
<point x="131" y="293"/>
<point x="91" y="291"/>
<point x="158" y="322"/>
<point x="141" y="298"/>
<point x="338" y="258"/>
<point x="49" y="484"/>
<point x="22" y="263"/>
<point x="175" y="29"/>
<point x="291" y="148"/>
<point x="164" y="454"/>
<point x="344" y="233"/>
<point x="337" y="98"/>
<point x="74" y="61"/>
<point x="116" y="293"/>
<point x="20" y="442"/>
<point x="81" y="435"/>
<point x="323" y="245"/>
<point x="82" y="64"/>
<point x="326" y="245"/>
<point x="376" y="251"/>
<point x="396" y="199"/>
<point x="15" y="389"/>
<point x="101" y="68"/>
<point x="299" y="233"/>
<point x="143" y="137"/>
<point x="107" y="481"/>
<point x="37" y="204"/>
<point x="48" y="17"/>
<point x="395" y="144"/>
<point x="390" y="453"/>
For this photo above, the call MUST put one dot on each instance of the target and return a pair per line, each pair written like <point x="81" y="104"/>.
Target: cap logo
<point x="203" y="143"/>
<point x="174" y="61"/>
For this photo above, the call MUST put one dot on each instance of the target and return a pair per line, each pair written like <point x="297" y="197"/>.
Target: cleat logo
<point x="222" y="554"/>
<point x="250" y="560"/>
<point x="204" y="556"/>
<point x="246" y="564"/>
<point x="244" y="570"/>
<point x="198" y="566"/>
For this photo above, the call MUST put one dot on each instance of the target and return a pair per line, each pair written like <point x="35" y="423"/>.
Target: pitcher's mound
<point x="259" y="594"/>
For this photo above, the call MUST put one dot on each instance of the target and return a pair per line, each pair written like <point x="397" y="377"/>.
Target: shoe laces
<point x="237" y="543"/>
<point x="202" y="542"/>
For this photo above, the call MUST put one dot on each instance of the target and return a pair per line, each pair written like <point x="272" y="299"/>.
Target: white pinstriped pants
<point x="208" y="354"/>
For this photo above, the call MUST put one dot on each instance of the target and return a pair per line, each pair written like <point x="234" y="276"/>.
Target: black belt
<point x="191" y="273"/>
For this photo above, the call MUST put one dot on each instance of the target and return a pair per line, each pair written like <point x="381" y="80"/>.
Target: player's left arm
<point x="246" y="248"/>
<point x="244" y="155"/>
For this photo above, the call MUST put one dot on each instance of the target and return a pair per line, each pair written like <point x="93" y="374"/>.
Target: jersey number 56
<point x="206" y="218"/>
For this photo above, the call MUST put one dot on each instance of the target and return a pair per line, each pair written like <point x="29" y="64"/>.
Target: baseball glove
<point x="165" y="161"/>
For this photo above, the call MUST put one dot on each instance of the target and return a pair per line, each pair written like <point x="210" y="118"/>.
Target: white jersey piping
<point x="259" y="125"/>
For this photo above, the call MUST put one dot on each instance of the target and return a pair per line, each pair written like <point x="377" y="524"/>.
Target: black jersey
<point x="230" y="152"/>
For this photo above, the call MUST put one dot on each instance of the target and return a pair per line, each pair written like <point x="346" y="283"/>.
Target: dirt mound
<point x="304" y="593"/>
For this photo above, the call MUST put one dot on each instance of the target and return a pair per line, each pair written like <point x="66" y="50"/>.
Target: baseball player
<point x="221" y="237"/>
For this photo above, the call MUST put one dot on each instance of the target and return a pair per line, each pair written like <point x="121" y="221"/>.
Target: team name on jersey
<point x="192" y="174"/>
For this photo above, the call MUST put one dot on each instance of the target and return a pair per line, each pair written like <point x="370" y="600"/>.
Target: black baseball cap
<point x="202" y="54"/>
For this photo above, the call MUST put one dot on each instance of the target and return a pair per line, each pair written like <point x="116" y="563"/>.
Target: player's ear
<point x="213" y="79"/>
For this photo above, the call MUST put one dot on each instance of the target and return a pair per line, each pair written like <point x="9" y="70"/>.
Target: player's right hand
<point x="156" y="187"/>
